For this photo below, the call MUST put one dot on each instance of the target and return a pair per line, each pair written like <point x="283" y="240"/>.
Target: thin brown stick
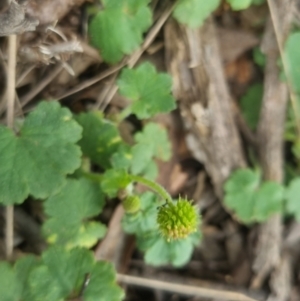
<point x="11" y="79"/>
<point x="92" y="81"/>
<point x="9" y="231"/>
<point x="280" y="43"/>
<point x="151" y="35"/>
<point x="41" y="85"/>
<point x="270" y="131"/>
<point x="183" y="289"/>
<point x="11" y="84"/>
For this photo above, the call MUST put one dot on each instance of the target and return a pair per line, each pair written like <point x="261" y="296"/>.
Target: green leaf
<point x="118" y="29"/>
<point x="290" y="133"/>
<point x="122" y="158"/>
<point x="149" y="91"/>
<point x="61" y="274"/>
<point x="102" y="285"/>
<point x="147" y="148"/>
<point x="239" y="4"/>
<point x="293" y="60"/>
<point x="37" y="160"/>
<point x="251" y="200"/>
<point x="145" y="219"/>
<point x="239" y="193"/>
<point x="23" y="268"/>
<point x="259" y="57"/>
<point x="293" y="198"/>
<point x="160" y="252"/>
<point x="100" y="138"/>
<point x="69" y="268"/>
<point x="258" y="2"/>
<point x="251" y="104"/>
<point x="68" y="211"/>
<point x="194" y="12"/>
<point x="43" y="286"/>
<point x="115" y="180"/>
<point x="150" y="171"/>
<point x="268" y="200"/>
<point x="10" y="288"/>
<point x="296" y="148"/>
<point x="88" y="235"/>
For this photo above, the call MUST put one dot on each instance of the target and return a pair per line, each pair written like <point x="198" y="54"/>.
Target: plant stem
<point x="11" y="85"/>
<point x="154" y="186"/>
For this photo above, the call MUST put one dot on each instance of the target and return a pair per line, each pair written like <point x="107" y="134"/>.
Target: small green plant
<point x="50" y="159"/>
<point x="253" y="200"/>
<point x="239" y="4"/>
<point x="59" y="275"/>
<point x="194" y="12"/>
<point x="243" y="4"/>
<point x="35" y="145"/>
<point x="250" y="198"/>
<point x="158" y="250"/>
<point x="117" y="29"/>
<point x="74" y="165"/>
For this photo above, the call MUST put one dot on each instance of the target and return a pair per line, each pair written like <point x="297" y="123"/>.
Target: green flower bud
<point x="131" y="204"/>
<point x="178" y="220"/>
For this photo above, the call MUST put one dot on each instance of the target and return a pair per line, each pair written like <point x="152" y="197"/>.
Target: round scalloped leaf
<point x="10" y="288"/>
<point x="88" y="235"/>
<point x="43" y="286"/>
<point x="268" y="200"/>
<point x="100" y="138"/>
<point x="23" y="267"/>
<point x="102" y="285"/>
<point x="60" y="274"/>
<point x="67" y="210"/>
<point x="114" y="180"/>
<point x="147" y="148"/>
<point x="239" y="4"/>
<point x="149" y="91"/>
<point x="68" y="267"/>
<point x="293" y="198"/>
<point x="118" y="29"/>
<point x="251" y="200"/>
<point x="36" y="161"/>
<point x="159" y="251"/>
<point x="194" y="12"/>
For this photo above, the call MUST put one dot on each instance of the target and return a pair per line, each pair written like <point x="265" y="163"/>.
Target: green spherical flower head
<point x="178" y="220"/>
<point x="131" y="204"/>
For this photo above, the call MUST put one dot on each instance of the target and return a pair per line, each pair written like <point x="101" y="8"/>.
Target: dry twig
<point x="11" y="84"/>
<point x="270" y="145"/>
<point x="182" y="289"/>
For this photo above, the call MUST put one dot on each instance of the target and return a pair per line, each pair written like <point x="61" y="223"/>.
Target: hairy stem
<point x="154" y="186"/>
